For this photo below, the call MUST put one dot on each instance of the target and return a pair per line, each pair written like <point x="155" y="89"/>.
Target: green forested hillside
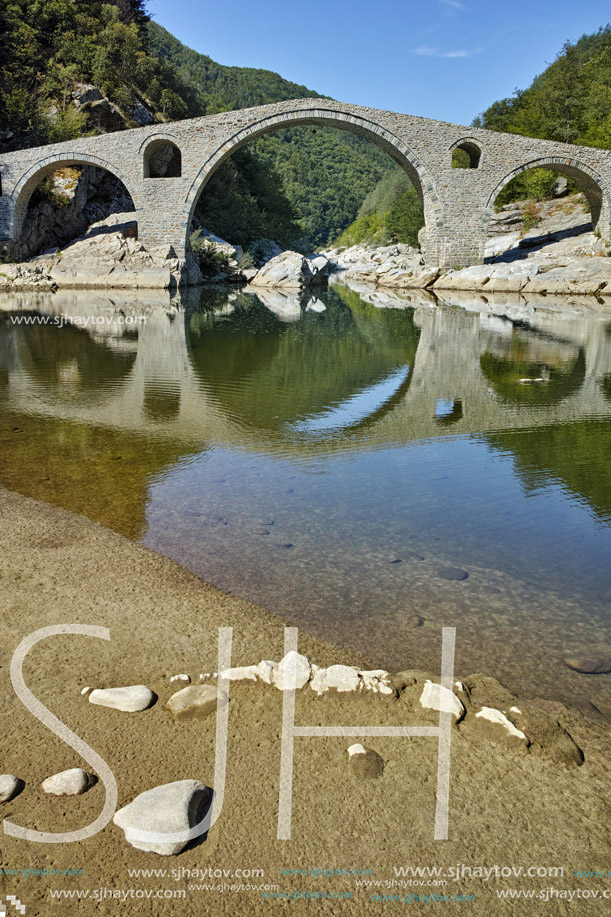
<point x="300" y="183"/>
<point x="217" y="87"/>
<point x="325" y="174"/>
<point x="392" y="211"/>
<point x="569" y="102"/>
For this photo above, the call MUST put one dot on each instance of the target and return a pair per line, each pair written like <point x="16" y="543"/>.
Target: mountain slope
<point x="297" y="184"/>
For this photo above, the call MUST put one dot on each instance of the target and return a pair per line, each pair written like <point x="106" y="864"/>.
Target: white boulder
<point x="282" y="674"/>
<point x="376" y="680"/>
<point x="169" y="809"/>
<point x="241" y="673"/>
<point x="496" y="716"/>
<point x="265" y="671"/>
<point x="434" y="696"/>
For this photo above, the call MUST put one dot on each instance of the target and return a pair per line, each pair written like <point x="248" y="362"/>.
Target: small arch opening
<point x="547" y="205"/>
<point x="162" y="159"/>
<point x="65" y="201"/>
<point x="466" y="155"/>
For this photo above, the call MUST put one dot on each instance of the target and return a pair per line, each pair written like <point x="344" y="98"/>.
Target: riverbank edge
<point x="246" y="616"/>
<point x="61" y="568"/>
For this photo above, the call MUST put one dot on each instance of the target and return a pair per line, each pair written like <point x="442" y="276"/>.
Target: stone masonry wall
<point x="457" y="202"/>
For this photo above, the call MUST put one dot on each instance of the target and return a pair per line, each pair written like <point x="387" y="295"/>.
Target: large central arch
<point x="326" y="117"/>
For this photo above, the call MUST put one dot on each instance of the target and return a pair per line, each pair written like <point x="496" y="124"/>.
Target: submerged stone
<point x="452" y="573"/>
<point x="589" y="665"/>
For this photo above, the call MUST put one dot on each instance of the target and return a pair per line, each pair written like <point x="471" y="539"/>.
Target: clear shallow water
<point x="331" y="464"/>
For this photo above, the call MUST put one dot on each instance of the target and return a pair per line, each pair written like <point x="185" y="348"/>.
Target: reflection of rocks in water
<point x="161" y="401"/>
<point x="532" y="368"/>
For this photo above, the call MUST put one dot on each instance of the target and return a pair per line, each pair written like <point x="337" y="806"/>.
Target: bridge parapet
<point x="457" y="202"/>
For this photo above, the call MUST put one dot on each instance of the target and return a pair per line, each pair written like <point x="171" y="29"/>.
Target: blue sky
<point x="446" y="59"/>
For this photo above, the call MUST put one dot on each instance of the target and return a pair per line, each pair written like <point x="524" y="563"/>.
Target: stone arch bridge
<point x="457" y="202"/>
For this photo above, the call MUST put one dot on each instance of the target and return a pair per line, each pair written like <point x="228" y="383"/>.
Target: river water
<point x="335" y="457"/>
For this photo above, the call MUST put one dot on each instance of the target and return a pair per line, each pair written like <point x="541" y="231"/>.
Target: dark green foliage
<point x="325" y="174"/>
<point x="211" y="261"/>
<point x="391" y="212"/>
<point x="460" y="159"/>
<point x="406" y="218"/>
<point x="47" y="46"/>
<point x="244" y="201"/>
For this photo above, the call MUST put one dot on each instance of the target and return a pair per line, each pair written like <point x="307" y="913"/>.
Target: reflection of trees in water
<point x="69" y="360"/>
<point x="577" y="455"/>
<point x="270" y="373"/>
<point x="101" y="473"/>
<point x="558" y="368"/>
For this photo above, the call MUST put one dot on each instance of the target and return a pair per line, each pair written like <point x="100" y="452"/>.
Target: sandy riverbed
<point x="507" y="807"/>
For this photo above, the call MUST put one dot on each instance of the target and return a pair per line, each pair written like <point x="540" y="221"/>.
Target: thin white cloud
<point x="455" y="4"/>
<point x="426" y="51"/>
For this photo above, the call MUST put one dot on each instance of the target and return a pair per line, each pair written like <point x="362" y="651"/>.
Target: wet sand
<point x="507" y="808"/>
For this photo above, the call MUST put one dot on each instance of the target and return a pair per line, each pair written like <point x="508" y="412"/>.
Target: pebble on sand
<point x="72" y="782"/>
<point x="132" y="699"/>
<point x="9" y="787"/>
<point x="195" y="700"/>
<point x="365" y="762"/>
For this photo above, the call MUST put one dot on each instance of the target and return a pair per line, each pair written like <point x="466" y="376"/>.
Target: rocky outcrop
<point x="396" y="265"/>
<point x="75" y="198"/>
<point x="291" y="270"/>
<point x="558" y="254"/>
<point x="107" y="255"/>
<point x="100" y="111"/>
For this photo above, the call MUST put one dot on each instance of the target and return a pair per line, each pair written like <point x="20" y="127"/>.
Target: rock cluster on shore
<point x="559" y="255"/>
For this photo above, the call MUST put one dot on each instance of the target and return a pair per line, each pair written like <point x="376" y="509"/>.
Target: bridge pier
<point x="464" y="237"/>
